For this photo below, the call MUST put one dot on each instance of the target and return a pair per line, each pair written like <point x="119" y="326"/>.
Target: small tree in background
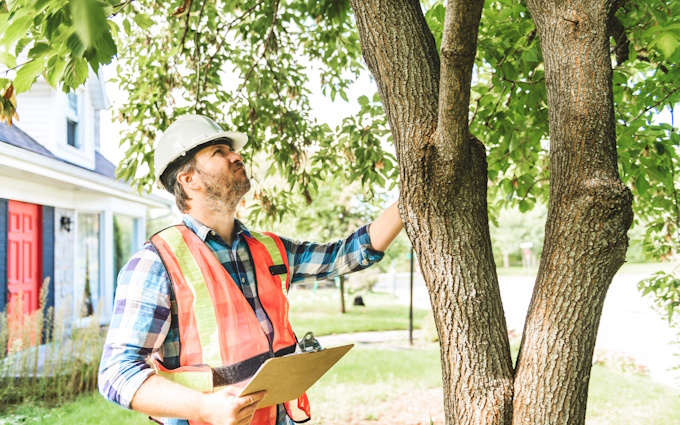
<point x="514" y="228"/>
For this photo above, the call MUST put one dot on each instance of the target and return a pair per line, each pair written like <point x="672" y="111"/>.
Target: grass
<point x="320" y="313"/>
<point x="86" y="409"/>
<point x="368" y="377"/>
<point x="623" y="399"/>
<point x="370" y="380"/>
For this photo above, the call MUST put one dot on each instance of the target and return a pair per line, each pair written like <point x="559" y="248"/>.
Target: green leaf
<point x="75" y="45"/>
<point x="55" y="69"/>
<point x="363" y="100"/>
<point x="667" y="43"/>
<point x="143" y="20"/>
<point x="8" y="59"/>
<point x="104" y="51"/>
<point x="531" y="55"/>
<point x="126" y="26"/>
<point x="75" y="74"/>
<point x="21" y="44"/>
<point x="641" y="185"/>
<point x="523" y="206"/>
<point x="27" y="74"/>
<point x="52" y="22"/>
<point x="660" y="148"/>
<point x="89" y="20"/>
<point x="17" y="29"/>
<point x="38" y="49"/>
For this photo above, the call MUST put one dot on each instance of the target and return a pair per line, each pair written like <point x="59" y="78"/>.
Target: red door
<point x="24" y="254"/>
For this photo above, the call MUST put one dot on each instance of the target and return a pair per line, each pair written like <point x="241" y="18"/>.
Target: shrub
<point x="42" y="357"/>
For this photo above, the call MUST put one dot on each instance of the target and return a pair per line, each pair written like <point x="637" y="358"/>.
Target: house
<point x="63" y="214"/>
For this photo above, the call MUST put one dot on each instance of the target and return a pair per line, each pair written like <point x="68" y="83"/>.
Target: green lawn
<point x="320" y="313"/>
<point x="370" y="381"/>
<point x="370" y="377"/>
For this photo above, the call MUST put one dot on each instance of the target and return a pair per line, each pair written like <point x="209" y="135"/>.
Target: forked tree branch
<point x="459" y="46"/>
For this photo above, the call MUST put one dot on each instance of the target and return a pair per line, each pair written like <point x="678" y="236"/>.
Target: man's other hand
<point x="222" y="408"/>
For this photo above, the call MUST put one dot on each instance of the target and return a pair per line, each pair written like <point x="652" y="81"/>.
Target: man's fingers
<point x="256" y="397"/>
<point x="245" y="421"/>
<point x="250" y="403"/>
<point x="247" y="411"/>
<point x="251" y="398"/>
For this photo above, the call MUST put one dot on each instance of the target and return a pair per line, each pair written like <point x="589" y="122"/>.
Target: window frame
<point x="73" y="116"/>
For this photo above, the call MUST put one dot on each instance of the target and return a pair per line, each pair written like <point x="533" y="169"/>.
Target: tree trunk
<point x="589" y="214"/>
<point x="443" y="206"/>
<point x="342" y="294"/>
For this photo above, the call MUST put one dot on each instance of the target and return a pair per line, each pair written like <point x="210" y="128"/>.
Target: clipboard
<point x="287" y="378"/>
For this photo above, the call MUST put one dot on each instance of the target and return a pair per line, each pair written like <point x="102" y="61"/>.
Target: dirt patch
<point x="407" y="409"/>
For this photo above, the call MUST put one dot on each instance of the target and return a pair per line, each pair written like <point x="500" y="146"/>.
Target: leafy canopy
<point x="247" y="65"/>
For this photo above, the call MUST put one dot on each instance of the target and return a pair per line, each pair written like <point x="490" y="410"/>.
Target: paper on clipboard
<point x="287" y="378"/>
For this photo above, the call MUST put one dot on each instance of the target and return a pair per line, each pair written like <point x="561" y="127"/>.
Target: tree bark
<point x="443" y="174"/>
<point x="589" y="214"/>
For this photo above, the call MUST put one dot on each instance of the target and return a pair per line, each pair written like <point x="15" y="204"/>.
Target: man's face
<point x="223" y="175"/>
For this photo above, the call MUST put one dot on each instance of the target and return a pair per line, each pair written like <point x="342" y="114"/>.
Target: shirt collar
<point x="203" y="231"/>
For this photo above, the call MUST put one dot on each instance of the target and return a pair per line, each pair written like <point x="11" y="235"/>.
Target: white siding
<point x="36" y="116"/>
<point x="43" y="116"/>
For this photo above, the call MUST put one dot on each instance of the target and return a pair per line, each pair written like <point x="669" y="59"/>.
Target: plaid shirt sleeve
<point x="310" y="261"/>
<point x="141" y="320"/>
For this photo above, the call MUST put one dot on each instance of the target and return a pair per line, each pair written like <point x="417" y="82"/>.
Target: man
<point x="211" y="291"/>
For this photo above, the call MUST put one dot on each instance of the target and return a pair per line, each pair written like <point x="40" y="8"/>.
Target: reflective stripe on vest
<point x="269" y="243"/>
<point x="217" y="325"/>
<point x="206" y="322"/>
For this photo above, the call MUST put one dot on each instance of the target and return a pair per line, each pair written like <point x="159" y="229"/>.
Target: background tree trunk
<point x="443" y="206"/>
<point x="342" y="294"/>
<point x="589" y="214"/>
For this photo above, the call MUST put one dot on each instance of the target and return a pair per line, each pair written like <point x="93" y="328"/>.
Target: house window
<point x="87" y="273"/>
<point x="125" y="238"/>
<point x="72" y="138"/>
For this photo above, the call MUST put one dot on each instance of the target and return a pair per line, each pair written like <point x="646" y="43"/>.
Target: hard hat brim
<point x="238" y="140"/>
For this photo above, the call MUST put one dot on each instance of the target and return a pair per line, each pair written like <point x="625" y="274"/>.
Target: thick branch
<point x="459" y="46"/>
<point x="618" y="33"/>
<point x="589" y="214"/>
<point x="400" y="52"/>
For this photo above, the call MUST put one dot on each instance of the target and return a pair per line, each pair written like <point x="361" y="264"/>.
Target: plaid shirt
<point x="144" y="318"/>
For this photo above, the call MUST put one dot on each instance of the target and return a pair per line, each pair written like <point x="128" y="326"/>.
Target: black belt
<point x="238" y="372"/>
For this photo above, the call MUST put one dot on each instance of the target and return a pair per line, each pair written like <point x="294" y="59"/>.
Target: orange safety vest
<point x="221" y="340"/>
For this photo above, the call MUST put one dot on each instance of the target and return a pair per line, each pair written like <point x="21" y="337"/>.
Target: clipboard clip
<point x="309" y="344"/>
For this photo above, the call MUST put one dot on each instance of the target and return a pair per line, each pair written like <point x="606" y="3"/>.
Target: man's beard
<point x="224" y="192"/>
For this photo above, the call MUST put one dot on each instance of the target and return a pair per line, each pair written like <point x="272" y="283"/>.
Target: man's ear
<point x="188" y="180"/>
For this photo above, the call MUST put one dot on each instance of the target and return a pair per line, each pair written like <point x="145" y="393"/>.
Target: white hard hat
<point x="189" y="132"/>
